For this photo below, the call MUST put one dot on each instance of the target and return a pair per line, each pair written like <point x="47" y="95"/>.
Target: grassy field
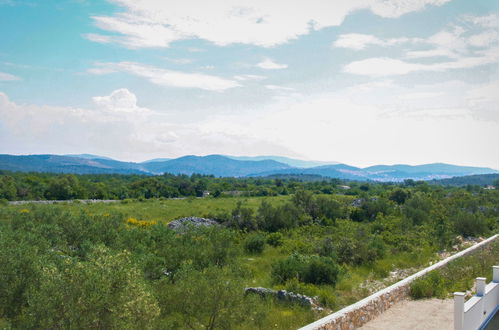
<point x="355" y="280"/>
<point x="348" y="289"/>
<point x="164" y="210"/>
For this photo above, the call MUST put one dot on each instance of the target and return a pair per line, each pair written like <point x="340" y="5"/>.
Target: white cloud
<point x="487" y="21"/>
<point x="279" y="88"/>
<point x="269" y="64"/>
<point x="397" y="8"/>
<point x="359" y="41"/>
<point x="167" y="78"/>
<point x="118" y="127"/>
<point x="381" y="67"/>
<point x="419" y="95"/>
<point x="483" y="39"/>
<point x="120" y="101"/>
<point x="390" y="66"/>
<point x="100" y="38"/>
<point x="8" y="77"/>
<point x="455" y="47"/>
<point x="180" y="61"/>
<point x="423" y="129"/>
<point x="430" y="53"/>
<point x="460" y="123"/>
<point x="245" y="77"/>
<point x="157" y="23"/>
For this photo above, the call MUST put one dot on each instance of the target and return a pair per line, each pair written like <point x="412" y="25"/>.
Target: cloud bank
<point x="158" y="23"/>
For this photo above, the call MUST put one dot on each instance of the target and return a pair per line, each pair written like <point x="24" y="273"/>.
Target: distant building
<point x="344" y="187"/>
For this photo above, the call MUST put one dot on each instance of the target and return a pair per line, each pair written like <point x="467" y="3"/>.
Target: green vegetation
<point x="458" y="276"/>
<point x="118" y="265"/>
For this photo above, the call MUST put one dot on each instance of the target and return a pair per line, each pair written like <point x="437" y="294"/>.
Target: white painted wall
<point x="470" y="315"/>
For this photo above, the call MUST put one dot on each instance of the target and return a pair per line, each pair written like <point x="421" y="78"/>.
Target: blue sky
<point x="362" y="82"/>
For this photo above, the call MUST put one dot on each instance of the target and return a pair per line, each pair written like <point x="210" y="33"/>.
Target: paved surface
<point x="416" y="315"/>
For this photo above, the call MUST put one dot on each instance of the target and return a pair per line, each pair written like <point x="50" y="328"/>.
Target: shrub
<point x="432" y="285"/>
<point x="289" y="268"/>
<point x="272" y="219"/>
<point x="468" y="224"/>
<point x="321" y="271"/>
<point x="254" y="243"/>
<point x="106" y="292"/>
<point x="307" y="269"/>
<point x="417" y="208"/>
<point x="274" y="239"/>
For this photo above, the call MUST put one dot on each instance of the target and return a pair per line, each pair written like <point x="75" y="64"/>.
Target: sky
<point x="361" y="82"/>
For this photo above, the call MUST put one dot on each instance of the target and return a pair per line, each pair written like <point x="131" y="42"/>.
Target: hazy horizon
<point x="332" y="162"/>
<point x="363" y="82"/>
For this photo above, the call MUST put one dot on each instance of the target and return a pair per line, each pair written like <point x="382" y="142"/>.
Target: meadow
<point x="118" y="265"/>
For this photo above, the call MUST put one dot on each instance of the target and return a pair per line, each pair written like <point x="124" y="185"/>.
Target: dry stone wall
<point x="358" y="314"/>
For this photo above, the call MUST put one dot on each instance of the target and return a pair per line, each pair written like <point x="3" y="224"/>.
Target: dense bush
<point x="469" y="224"/>
<point x="429" y="286"/>
<point x="254" y="243"/>
<point x="274" y="218"/>
<point x="105" y="292"/>
<point x="370" y="208"/>
<point x="417" y="208"/>
<point x="275" y="239"/>
<point x="307" y="269"/>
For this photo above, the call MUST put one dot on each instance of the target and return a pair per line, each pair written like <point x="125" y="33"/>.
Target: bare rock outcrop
<point x="284" y="295"/>
<point x="184" y="223"/>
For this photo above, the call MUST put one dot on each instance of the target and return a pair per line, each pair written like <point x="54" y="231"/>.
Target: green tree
<point x="209" y="299"/>
<point x="105" y="292"/>
<point x="399" y="196"/>
<point x="417" y="208"/>
<point x="64" y="187"/>
<point x="7" y="188"/>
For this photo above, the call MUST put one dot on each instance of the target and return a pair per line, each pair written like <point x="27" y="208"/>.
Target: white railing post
<point x="458" y="310"/>
<point x="495" y="274"/>
<point x="480" y="286"/>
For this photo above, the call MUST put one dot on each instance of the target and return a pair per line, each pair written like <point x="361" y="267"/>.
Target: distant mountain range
<point x="232" y="166"/>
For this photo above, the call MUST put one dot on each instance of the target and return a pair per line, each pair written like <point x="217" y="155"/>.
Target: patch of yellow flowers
<point x="140" y="223"/>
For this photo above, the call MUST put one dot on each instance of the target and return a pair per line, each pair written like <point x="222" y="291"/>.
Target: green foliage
<point x="105" y="292"/>
<point x="274" y="218"/>
<point x="243" y="218"/>
<point x="56" y="258"/>
<point x="208" y="299"/>
<point x="399" y="196"/>
<point x="307" y="269"/>
<point x="64" y="187"/>
<point x="429" y="286"/>
<point x="458" y="275"/>
<point x="7" y="188"/>
<point x="370" y="209"/>
<point x="254" y="243"/>
<point x="417" y="208"/>
<point x="275" y="239"/>
<point x="469" y="224"/>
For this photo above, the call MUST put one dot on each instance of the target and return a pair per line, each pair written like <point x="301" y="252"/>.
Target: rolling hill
<point x="213" y="164"/>
<point x="229" y="166"/>
<point x="66" y="164"/>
